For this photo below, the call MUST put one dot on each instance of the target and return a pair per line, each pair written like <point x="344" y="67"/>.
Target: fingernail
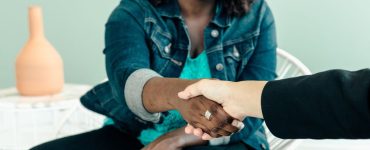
<point x="240" y="125"/>
<point x="235" y="123"/>
<point x="187" y="131"/>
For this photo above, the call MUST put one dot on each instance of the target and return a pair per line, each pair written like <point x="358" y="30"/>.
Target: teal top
<point x="195" y="68"/>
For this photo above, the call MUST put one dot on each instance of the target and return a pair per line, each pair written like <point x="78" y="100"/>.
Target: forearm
<point x="188" y="140"/>
<point x="247" y="99"/>
<point x="176" y="139"/>
<point x="160" y="94"/>
<point x="335" y="102"/>
<point x="181" y="139"/>
<point x="247" y="94"/>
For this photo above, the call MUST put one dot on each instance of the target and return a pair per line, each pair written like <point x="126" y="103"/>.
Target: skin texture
<point x="175" y="140"/>
<point x="197" y="14"/>
<point x="160" y="94"/>
<point x="231" y="95"/>
<point x="219" y="123"/>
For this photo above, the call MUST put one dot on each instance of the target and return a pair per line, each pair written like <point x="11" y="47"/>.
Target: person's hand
<point x="239" y="99"/>
<point x="215" y="90"/>
<point x="193" y="112"/>
<point x="175" y="140"/>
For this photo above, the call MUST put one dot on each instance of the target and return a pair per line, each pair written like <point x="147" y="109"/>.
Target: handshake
<point x="214" y="111"/>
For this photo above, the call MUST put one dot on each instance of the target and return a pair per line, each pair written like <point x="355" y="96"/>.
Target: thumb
<point x="190" y="91"/>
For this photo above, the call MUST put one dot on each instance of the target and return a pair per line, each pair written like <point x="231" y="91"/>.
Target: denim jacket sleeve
<point x="261" y="66"/>
<point x="128" y="64"/>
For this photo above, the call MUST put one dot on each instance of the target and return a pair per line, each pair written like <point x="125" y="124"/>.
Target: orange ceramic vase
<point x="39" y="67"/>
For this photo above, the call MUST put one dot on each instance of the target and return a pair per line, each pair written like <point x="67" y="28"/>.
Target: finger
<point x="190" y="91"/>
<point x="207" y="129"/>
<point x="198" y="132"/>
<point x="215" y="123"/>
<point x="227" y="126"/>
<point x="219" y="116"/>
<point x="197" y="129"/>
<point x="225" y="122"/>
<point x="238" y="124"/>
<point x="221" y="132"/>
<point x="189" y="129"/>
<point x="230" y="128"/>
<point x="214" y="135"/>
<point x="197" y="125"/>
<point x="207" y="124"/>
<point x="206" y="137"/>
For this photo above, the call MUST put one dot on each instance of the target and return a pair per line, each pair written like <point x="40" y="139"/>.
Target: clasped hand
<point x="232" y="96"/>
<point x="218" y="123"/>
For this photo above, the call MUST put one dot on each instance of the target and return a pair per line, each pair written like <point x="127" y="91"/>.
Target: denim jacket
<point x="143" y="41"/>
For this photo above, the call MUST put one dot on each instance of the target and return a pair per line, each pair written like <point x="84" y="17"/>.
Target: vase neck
<point x="36" y="22"/>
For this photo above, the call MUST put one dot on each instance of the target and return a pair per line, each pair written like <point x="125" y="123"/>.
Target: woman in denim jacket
<point x="154" y="49"/>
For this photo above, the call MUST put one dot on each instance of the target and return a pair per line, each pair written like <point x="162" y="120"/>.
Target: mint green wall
<point x="324" y="34"/>
<point x="74" y="27"/>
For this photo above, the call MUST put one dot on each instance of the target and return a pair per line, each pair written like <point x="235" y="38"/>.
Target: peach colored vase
<point x="39" y="67"/>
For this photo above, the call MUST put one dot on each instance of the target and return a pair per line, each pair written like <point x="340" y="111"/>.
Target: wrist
<point x="160" y="94"/>
<point x="261" y="88"/>
<point x="228" y="88"/>
<point x="253" y="101"/>
<point x="174" y="103"/>
<point x="173" y="100"/>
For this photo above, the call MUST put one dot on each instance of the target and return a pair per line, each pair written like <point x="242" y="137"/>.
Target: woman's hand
<point x="175" y="140"/>
<point x="193" y="111"/>
<point x="239" y="99"/>
<point x="161" y="94"/>
<point x="215" y="90"/>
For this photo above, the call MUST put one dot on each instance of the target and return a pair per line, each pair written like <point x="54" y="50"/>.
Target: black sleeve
<point x="328" y="105"/>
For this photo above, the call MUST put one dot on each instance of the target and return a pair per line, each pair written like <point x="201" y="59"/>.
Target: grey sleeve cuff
<point x="133" y="92"/>
<point x="220" y="141"/>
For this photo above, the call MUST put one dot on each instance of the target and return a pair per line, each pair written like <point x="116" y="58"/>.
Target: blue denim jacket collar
<point x="171" y="9"/>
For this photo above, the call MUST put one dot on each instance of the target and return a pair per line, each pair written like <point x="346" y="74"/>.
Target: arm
<point x="175" y="140"/>
<point x="160" y="94"/>
<point x="332" y="104"/>
<point x="144" y="91"/>
<point x="128" y="61"/>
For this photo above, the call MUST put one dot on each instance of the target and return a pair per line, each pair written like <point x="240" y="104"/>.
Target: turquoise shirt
<point x="195" y="68"/>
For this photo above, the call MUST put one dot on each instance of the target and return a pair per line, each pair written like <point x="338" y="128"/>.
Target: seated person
<point x="154" y="49"/>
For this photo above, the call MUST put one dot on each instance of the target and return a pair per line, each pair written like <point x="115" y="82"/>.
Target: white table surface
<point x="9" y="98"/>
<point x="334" y="145"/>
<point x="26" y="121"/>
